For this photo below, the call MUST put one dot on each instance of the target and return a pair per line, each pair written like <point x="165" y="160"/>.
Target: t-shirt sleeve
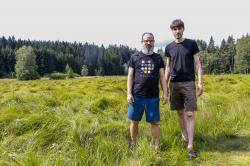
<point x="195" y="48"/>
<point x="166" y="52"/>
<point x="161" y="63"/>
<point x="131" y="62"/>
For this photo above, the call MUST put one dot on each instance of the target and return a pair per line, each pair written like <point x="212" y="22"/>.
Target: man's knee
<point x="190" y="114"/>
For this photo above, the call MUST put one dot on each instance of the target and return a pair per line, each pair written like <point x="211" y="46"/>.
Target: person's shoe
<point x="192" y="153"/>
<point x="156" y="148"/>
<point x="131" y="146"/>
<point x="131" y="149"/>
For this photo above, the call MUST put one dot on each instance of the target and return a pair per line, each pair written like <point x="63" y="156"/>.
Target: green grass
<point x="84" y="122"/>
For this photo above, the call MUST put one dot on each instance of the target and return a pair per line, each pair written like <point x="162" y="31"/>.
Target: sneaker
<point x="155" y="146"/>
<point x="131" y="149"/>
<point x="192" y="153"/>
<point x="131" y="146"/>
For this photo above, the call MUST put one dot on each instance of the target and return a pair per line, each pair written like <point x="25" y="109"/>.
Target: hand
<point x="200" y="89"/>
<point x="164" y="98"/>
<point x="130" y="98"/>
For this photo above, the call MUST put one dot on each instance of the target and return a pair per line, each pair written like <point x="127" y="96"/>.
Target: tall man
<point x="145" y="70"/>
<point x="182" y="60"/>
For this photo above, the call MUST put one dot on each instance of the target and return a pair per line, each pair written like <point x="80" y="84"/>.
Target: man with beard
<point x="182" y="59"/>
<point x="145" y="70"/>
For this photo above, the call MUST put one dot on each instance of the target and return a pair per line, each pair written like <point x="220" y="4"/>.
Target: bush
<point x="76" y="75"/>
<point x="57" y="76"/>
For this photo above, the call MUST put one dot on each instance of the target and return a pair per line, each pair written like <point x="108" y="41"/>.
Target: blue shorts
<point x="149" y="105"/>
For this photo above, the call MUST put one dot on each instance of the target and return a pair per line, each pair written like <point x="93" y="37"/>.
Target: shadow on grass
<point x="222" y="143"/>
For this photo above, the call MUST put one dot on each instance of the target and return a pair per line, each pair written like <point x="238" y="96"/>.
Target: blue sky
<point x="122" y="21"/>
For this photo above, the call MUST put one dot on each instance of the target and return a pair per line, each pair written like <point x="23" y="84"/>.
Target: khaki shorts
<point x="183" y="96"/>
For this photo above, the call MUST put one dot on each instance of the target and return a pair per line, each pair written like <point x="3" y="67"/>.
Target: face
<point x="148" y="42"/>
<point x="178" y="32"/>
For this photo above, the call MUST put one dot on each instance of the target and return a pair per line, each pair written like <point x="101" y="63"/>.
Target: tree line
<point x="232" y="56"/>
<point x="53" y="56"/>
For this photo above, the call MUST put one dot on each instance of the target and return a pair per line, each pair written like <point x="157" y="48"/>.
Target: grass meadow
<point x="83" y="121"/>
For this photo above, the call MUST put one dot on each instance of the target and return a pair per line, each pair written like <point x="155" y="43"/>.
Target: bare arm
<point x="199" y="73"/>
<point x="167" y="70"/>
<point x="163" y="86"/>
<point x="130" y="85"/>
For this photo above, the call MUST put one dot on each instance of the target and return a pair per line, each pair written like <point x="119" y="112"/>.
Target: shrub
<point x="57" y="76"/>
<point x="76" y="75"/>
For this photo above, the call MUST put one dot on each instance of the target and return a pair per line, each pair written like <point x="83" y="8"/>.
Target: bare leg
<point x="182" y="123"/>
<point x="190" y="128"/>
<point x="133" y="131"/>
<point x="155" y="129"/>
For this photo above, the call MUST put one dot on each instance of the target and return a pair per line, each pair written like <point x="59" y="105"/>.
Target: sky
<point x="122" y="21"/>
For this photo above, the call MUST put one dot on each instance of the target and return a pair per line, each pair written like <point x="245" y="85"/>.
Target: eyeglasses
<point x="177" y="28"/>
<point x="146" y="41"/>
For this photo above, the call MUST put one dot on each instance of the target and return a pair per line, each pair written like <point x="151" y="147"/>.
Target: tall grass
<point x="84" y="122"/>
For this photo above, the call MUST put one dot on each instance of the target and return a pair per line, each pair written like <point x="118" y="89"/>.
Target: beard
<point x="148" y="51"/>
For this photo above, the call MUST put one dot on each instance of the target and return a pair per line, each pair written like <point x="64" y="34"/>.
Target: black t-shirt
<point x="182" y="60"/>
<point x="146" y="74"/>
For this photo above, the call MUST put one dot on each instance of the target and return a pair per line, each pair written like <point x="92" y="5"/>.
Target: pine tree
<point x="2" y="68"/>
<point x="67" y="68"/>
<point x="84" y="71"/>
<point x="223" y="58"/>
<point x="69" y="72"/>
<point x="243" y="55"/>
<point x="231" y="53"/>
<point x="100" y="62"/>
<point x="211" y="46"/>
<point x="202" y="45"/>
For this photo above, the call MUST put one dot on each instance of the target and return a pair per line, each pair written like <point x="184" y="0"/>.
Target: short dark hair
<point x="145" y="34"/>
<point x="177" y="23"/>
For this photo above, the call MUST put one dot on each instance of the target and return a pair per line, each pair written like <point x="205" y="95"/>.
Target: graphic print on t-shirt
<point x="147" y="68"/>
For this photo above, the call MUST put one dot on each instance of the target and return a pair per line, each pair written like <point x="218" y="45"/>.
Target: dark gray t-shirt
<point x="146" y="74"/>
<point x="182" y="60"/>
